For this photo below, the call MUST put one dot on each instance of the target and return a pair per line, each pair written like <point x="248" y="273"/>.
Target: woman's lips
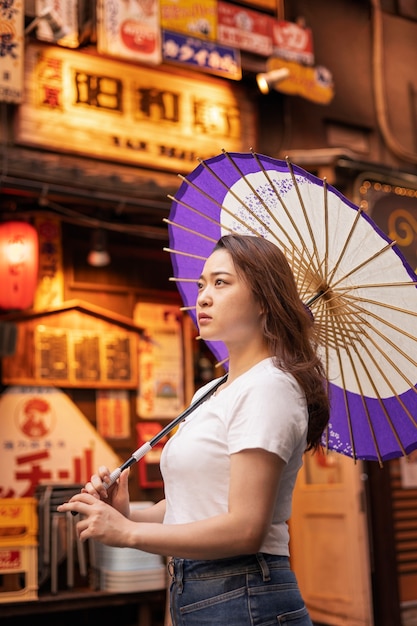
<point x="203" y="318"/>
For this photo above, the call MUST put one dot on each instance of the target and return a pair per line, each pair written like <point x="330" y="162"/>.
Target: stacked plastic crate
<point x="18" y="549"/>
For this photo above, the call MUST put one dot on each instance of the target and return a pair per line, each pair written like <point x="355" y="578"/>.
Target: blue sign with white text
<point x="202" y="55"/>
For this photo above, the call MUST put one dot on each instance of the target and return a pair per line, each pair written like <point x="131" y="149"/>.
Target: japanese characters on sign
<point x="197" y="18"/>
<point x="113" y="413"/>
<point x="293" y="42"/>
<point x="87" y="105"/>
<point x="244" y="29"/>
<point x="202" y="55"/>
<point x="83" y="357"/>
<point x="44" y="437"/>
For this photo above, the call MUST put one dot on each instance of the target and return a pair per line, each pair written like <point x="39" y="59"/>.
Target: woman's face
<point x="226" y="308"/>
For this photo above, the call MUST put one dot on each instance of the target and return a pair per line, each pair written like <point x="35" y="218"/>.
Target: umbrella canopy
<point x="361" y="291"/>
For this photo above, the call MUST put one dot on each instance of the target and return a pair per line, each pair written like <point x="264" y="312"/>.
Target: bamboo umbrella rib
<point x="364" y="326"/>
<point x="188" y="254"/>
<point x="380" y="402"/>
<point x="176" y="279"/>
<point x="279" y="242"/>
<point x="286" y="251"/>
<point x="358" y="336"/>
<point x="321" y="307"/>
<point x="387" y="323"/>
<point x="387" y="381"/>
<point x="261" y="201"/>
<point x="348" y="298"/>
<point x="222" y="362"/>
<point x="347" y="408"/>
<point x="376" y="391"/>
<point x="196" y="211"/>
<point x="311" y="281"/>
<point x="283" y="205"/>
<point x="189" y="230"/>
<point x="406" y="356"/>
<point x="411" y="283"/>
<point x="230" y="213"/>
<point x="348" y="237"/>
<point x="362" y="395"/>
<point x="303" y="208"/>
<point x="364" y="263"/>
<point x="326" y="229"/>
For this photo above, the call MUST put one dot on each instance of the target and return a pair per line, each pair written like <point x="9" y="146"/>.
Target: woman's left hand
<point x="98" y="520"/>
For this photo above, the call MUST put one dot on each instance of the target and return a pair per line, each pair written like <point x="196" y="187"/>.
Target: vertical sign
<point x="11" y="51"/>
<point x="50" y="289"/>
<point x="161" y="378"/>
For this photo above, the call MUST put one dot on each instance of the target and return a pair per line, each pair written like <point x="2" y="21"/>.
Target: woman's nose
<point x="203" y="297"/>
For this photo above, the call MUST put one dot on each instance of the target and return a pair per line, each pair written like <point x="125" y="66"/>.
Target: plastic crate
<point x="18" y="521"/>
<point x="18" y="573"/>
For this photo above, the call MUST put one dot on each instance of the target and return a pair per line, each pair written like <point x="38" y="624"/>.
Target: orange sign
<point x="312" y="83"/>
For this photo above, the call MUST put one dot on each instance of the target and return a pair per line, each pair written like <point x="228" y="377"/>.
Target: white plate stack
<point x="128" y="570"/>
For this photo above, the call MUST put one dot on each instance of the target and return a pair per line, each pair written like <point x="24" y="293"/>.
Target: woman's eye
<point x="199" y="285"/>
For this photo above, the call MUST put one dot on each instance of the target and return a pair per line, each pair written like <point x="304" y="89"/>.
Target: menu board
<point x="84" y="358"/>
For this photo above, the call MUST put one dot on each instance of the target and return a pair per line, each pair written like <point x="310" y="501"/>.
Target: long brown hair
<point x="287" y="324"/>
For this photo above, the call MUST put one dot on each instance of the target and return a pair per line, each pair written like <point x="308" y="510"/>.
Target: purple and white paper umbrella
<point x="363" y="294"/>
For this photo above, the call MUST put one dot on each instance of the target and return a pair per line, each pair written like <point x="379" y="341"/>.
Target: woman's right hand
<point x="117" y="495"/>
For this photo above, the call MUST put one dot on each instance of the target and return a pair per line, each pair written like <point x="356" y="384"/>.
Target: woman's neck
<point x="242" y="361"/>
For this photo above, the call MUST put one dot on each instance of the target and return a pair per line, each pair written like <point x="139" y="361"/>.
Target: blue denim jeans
<point x="253" y="590"/>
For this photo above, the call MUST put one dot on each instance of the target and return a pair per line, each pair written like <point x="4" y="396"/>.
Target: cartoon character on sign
<point x="35" y="419"/>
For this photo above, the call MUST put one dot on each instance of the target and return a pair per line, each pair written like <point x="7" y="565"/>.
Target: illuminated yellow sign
<point x="78" y="103"/>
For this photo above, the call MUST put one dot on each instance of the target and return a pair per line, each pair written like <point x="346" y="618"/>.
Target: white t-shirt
<point x="263" y="408"/>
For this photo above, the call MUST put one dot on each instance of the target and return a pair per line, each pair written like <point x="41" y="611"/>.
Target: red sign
<point x="10" y="559"/>
<point x="292" y="42"/>
<point x="244" y="29"/>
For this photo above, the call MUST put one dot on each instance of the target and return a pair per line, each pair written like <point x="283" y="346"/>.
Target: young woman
<point x="229" y="471"/>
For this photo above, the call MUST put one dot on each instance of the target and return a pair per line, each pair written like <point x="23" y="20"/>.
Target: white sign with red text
<point x="45" y="438"/>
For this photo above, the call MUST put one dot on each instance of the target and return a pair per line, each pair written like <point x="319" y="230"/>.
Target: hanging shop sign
<point x="197" y="18"/>
<point x="83" y="104"/>
<point x="44" y="438"/>
<point x="244" y="29"/>
<point x="129" y="30"/>
<point x="311" y="83"/>
<point x="202" y="55"/>
<point x="11" y="51"/>
<point x="293" y="42"/>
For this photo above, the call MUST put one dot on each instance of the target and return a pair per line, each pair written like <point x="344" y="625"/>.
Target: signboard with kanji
<point x="44" y="438"/>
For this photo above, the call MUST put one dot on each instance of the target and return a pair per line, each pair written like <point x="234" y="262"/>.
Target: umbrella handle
<point x="136" y="456"/>
<point x="148" y="445"/>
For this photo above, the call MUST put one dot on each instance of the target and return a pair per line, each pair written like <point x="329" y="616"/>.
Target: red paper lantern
<point x="19" y="261"/>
